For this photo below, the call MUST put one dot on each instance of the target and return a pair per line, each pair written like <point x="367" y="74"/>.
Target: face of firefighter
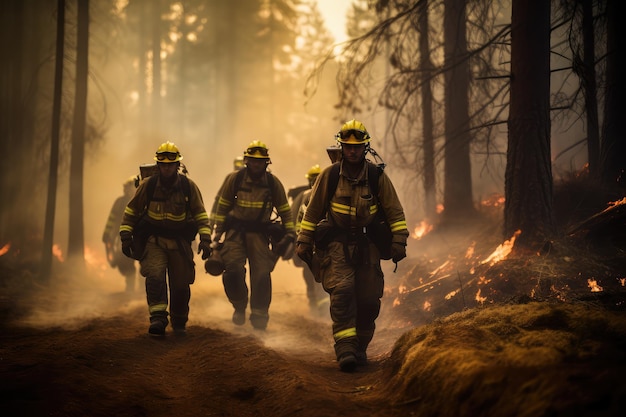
<point x="256" y="167"/>
<point x="168" y="172"/>
<point x="353" y="154"/>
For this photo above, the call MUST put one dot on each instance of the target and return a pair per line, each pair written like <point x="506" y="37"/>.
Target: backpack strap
<point x="372" y="176"/>
<point x="184" y="183"/>
<point x="270" y="184"/>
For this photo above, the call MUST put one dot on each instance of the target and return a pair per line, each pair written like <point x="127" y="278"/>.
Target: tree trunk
<point x="528" y="176"/>
<point x="76" y="240"/>
<point x="46" y="252"/>
<point x="430" y="202"/>
<point x="155" y="121"/>
<point x="589" y="83"/>
<point x="458" y="203"/>
<point x="613" y="151"/>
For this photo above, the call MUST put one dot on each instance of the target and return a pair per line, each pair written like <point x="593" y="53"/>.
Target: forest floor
<point x="461" y="332"/>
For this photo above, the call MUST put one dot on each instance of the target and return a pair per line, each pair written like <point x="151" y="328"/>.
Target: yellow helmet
<point x="353" y="133"/>
<point x="168" y="153"/>
<point x="257" y="149"/>
<point x="313" y="172"/>
<point x="238" y="163"/>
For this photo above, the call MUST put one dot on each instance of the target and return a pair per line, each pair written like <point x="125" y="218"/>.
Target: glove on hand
<point x="305" y="252"/>
<point x="398" y="252"/>
<point x="127" y="243"/>
<point x="205" y="248"/>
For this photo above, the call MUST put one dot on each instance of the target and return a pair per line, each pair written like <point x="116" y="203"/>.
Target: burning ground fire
<point x="460" y="274"/>
<point x="422" y="229"/>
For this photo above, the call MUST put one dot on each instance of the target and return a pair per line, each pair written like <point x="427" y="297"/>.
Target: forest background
<point x="431" y="80"/>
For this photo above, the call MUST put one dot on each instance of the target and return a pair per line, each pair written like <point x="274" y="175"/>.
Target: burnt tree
<point x="528" y="176"/>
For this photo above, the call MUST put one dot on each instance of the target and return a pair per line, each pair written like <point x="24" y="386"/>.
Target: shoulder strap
<point x="152" y="180"/>
<point x="184" y="182"/>
<point x="270" y="184"/>
<point x="372" y="175"/>
<point x="333" y="180"/>
<point x="238" y="180"/>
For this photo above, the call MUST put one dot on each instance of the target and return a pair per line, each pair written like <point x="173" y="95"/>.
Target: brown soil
<point x="456" y="337"/>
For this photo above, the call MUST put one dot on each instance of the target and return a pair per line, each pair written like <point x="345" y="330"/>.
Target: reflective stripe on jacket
<point x="352" y="205"/>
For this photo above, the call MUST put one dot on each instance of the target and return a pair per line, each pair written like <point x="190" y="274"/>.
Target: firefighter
<point x="245" y="203"/>
<point x="238" y="165"/>
<point x="317" y="297"/>
<point x="159" y="224"/>
<point x="111" y="237"/>
<point x="336" y="225"/>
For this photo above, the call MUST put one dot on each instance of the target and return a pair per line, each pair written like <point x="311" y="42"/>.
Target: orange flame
<point x="502" y="251"/>
<point x="5" y="249"/>
<point x="480" y="299"/>
<point x="422" y="229"/>
<point x="56" y="251"/>
<point x="494" y="200"/>
<point x="92" y="259"/>
<point x="593" y="284"/>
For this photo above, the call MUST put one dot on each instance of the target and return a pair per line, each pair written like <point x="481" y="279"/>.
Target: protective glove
<point x="127" y="243"/>
<point x="398" y="252"/>
<point x="305" y="252"/>
<point x="205" y="248"/>
<point x="284" y="247"/>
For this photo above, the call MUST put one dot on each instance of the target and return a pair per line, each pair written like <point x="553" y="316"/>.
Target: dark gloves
<point x="398" y="252"/>
<point x="305" y="252"/>
<point x="205" y="248"/>
<point x="127" y="243"/>
<point x="284" y="248"/>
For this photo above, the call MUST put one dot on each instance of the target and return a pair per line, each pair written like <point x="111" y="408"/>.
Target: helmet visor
<point x="166" y="156"/>
<point x="257" y="152"/>
<point x="358" y="134"/>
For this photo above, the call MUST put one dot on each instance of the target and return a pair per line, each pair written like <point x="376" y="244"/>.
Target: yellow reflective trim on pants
<point x="351" y="332"/>
<point x="157" y="307"/>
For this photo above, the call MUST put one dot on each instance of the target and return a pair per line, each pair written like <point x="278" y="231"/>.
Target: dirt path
<point x="71" y="358"/>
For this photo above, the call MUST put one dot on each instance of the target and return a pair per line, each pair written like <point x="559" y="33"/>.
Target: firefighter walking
<point x="159" y="224"/>
<point x="335" y="240"/>
<point x="245" y="203"/>
<point x="317" y="297"/>
<point x="111" y="237"/>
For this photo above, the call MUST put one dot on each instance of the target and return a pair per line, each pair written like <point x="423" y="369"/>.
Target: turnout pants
<point x="170" y="260"/>
<point x="355" y="284"/>
<point x="253" y="247"/>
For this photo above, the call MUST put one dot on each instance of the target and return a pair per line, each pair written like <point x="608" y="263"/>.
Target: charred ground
<point x="536" y="335"/>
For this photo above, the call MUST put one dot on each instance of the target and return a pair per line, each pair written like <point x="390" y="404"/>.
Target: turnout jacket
<point x="167" y="213"/>
<point x="352" y="206"/>
<point x="251" y="203"/>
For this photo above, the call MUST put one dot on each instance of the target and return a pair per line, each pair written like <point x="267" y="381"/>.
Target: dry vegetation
<point x="538" y="335"/>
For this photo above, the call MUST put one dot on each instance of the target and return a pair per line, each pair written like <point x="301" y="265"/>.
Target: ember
<point x="593" y="284"/>
<point x="5" y="249"/>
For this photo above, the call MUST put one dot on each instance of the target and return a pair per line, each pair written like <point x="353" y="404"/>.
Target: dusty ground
<point x="456" y="337"/>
